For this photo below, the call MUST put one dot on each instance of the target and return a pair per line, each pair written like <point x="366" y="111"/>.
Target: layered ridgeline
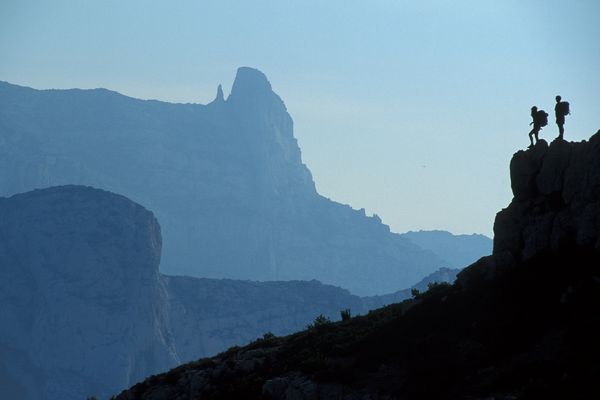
<point x="522" y="323"/>
<point x="226" y="182"/>
<point x="84" y="310"/>
<point x="457" y="251"/>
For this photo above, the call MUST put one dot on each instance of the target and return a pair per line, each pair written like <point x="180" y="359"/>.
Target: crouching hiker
<point x="540" y="119"/>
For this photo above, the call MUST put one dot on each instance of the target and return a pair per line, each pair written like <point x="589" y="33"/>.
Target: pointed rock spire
<point x="219" y="97"/>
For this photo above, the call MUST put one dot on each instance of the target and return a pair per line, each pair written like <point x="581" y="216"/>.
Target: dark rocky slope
<point x="226" y="181"/>
<point x="519" y="324"/>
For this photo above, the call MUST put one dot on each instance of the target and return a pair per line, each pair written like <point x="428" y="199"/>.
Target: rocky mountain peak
<point x="219" y="98"/>
<point x="254" y="101"/>
<point x="250" y="83"/>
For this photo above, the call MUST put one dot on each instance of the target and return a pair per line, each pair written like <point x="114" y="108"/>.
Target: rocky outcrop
<point x="556" y="199"/>
<point x="226" y="181"/>
<point x="556" y="205"/>
<point x="82" y="305"/>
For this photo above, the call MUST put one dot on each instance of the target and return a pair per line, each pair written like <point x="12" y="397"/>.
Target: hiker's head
<point x="558" y="99"/>
<point x="534" y="108"/>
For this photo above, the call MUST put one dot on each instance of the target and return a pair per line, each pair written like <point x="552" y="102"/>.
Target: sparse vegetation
<point x="345" y="314"/>
<point x="319" y="321"/>
<point x="267" y="339"/>
<point x="432" y="286"/>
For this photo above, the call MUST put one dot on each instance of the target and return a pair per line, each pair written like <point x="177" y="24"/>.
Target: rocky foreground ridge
<point x="519" y="324"/>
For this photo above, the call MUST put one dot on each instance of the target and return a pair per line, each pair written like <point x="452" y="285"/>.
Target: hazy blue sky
<point x="411" y="110"/>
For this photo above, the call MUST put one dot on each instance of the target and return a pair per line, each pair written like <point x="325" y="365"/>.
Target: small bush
<point x="433" y="286"/>
<point x="415" y="293"/>
<point x="319" y="321"/>
<point x="345" y="314"/>
<point x="267" y="339"/>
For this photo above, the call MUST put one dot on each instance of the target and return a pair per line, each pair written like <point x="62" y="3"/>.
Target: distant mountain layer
<point x="226" y="180"/>
<point x="457" y="250"/>
<point x="522" y="323"/>
<point x="84" y="310"/>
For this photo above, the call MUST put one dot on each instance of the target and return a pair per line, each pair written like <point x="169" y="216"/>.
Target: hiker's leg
<point x="531" y="137"/>
<point x="561" y="130"/>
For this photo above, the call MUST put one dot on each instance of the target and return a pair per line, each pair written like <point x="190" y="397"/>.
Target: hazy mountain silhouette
<point x="84" y="310"/>
<point x="457" y="251"/>
<point x="225" y="179"/>
<point x="521" y="323"/>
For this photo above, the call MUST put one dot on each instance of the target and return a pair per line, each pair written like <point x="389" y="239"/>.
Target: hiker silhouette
<point x="561" y="110"/>
<point x="540" y="119"/>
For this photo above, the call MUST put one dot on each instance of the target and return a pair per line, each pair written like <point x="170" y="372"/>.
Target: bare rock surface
<point x="557" y="199"/>
<point x="82" y="305"/>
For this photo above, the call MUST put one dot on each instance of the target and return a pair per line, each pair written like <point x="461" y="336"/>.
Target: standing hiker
<point x="561" y="110"/>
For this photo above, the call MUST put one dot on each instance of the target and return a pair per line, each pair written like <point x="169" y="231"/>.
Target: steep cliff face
<point x="226" y="180"/>
<point x="82" y="305"/>
<point x="519" y="324"/>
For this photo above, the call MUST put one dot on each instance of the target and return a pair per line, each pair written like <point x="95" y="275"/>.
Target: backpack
<point x="563" y="108"/>
<point x="541" y="118"/>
